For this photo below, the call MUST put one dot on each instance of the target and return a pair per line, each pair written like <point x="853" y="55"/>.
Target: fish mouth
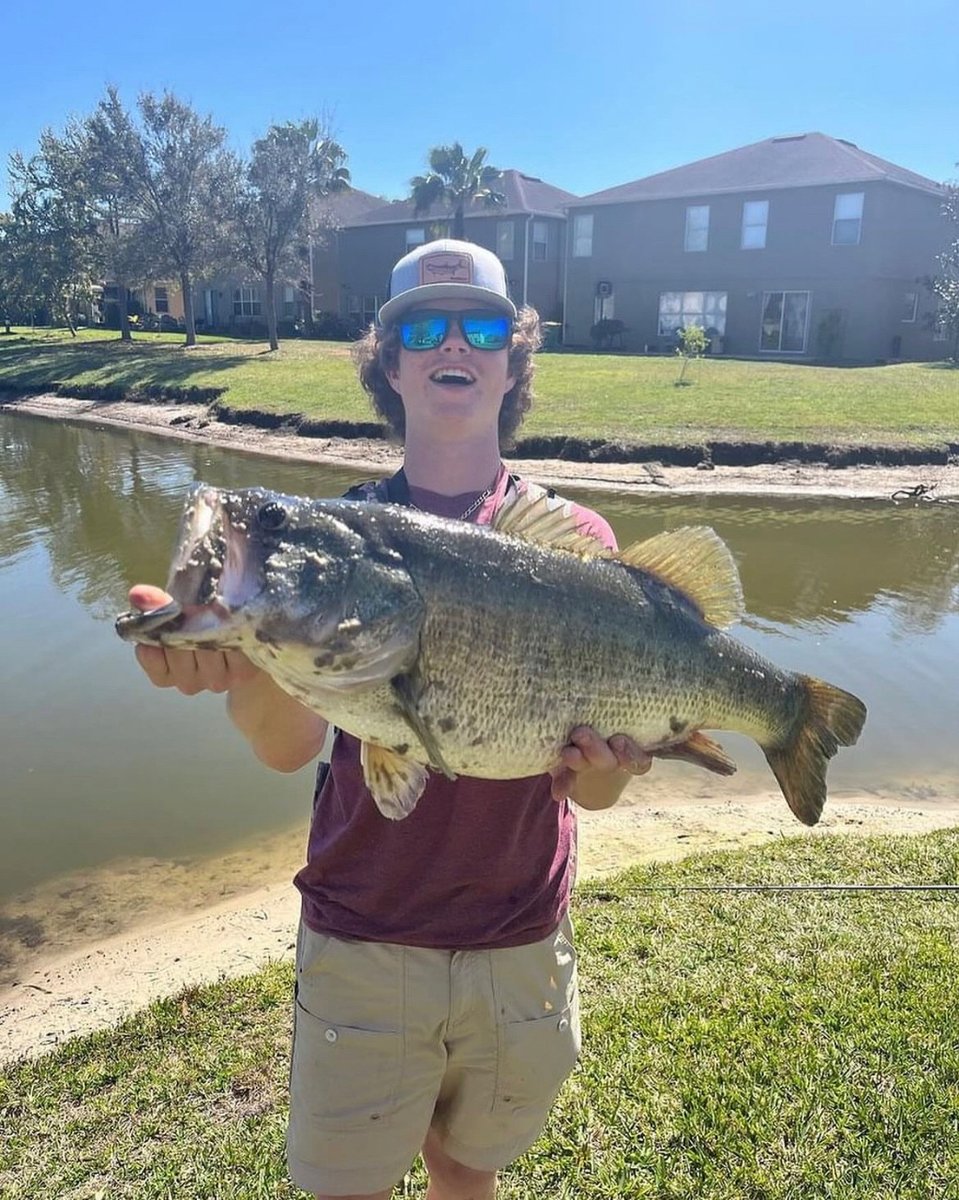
<point x="211" y="578"/>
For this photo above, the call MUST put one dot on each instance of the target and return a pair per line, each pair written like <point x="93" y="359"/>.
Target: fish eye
<point x="271" y="516"/>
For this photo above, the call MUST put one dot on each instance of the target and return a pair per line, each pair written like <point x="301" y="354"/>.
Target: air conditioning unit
<point x="604" y="288"/>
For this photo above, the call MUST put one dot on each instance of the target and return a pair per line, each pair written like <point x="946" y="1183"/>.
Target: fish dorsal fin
<point x="695" y="561"/>
<point x="535" y="516"/>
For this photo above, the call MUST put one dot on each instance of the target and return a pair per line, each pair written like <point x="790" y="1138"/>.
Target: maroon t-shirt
<point x="478" y="864"/>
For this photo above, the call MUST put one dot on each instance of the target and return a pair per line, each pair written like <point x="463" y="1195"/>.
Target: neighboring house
<point x="234" y="303"/>
<point x="528" y="232"/>
<point x="801" y="247"/>
<point x="152" y="303"/>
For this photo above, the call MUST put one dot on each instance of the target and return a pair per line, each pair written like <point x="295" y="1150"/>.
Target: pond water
<point x="100" y="772"/>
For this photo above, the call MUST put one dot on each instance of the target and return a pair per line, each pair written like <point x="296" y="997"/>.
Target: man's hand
<point x="189" y="671"/>
<point x="593" y="771"/>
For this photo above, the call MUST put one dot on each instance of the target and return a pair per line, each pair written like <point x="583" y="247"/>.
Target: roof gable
<point x="798" y="160"/>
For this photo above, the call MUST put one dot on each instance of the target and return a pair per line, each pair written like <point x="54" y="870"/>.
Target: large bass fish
<point x="476" y="650"/>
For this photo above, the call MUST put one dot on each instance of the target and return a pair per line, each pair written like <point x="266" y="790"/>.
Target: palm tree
<point x="456" y="181"/>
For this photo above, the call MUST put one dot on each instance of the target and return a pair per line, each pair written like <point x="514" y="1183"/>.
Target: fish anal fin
<point x="696" y="562"/>
<point x="395" y="783"/>
<point x="828" y="718"/>
<point x="535" y="516"/>
<point x="701" y="750"/>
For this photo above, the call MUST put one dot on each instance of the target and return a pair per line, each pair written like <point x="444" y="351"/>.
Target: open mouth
<point x="452" y="377"/>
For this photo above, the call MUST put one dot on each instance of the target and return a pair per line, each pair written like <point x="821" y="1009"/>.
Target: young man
<point x="436" y="1002"/>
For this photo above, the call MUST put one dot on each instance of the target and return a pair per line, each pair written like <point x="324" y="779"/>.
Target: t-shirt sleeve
<point x="592" y="523"/>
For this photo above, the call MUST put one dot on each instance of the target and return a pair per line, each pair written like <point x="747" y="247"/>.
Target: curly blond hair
<point x="377" y="353"/>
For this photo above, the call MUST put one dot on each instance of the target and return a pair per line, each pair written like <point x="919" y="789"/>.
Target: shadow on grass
<point x="112" y="368"/>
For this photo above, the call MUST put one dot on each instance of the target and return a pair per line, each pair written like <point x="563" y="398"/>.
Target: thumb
<point x="146" y="597"/>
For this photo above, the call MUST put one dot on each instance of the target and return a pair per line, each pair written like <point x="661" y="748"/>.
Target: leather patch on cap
<point x="446" y="266"/>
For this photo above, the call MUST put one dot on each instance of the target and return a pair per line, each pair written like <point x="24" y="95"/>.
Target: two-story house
<point x="527" y="231"/>
<point x="802" y="247"/>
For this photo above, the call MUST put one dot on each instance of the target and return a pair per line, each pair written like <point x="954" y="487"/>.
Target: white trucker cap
<point x="447" y="270"/>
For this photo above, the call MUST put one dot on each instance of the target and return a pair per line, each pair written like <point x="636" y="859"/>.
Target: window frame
<point x="691" y="229"/>
<point x="715" y="303"/>
<point x="784" y="292"/>
<point x="836" y="218"/>
<point x="915" y="307"/>
<point x="504" y="228"/>
<point x="580" y="238"/>
<point x="246" y="301"/>
<point x="412" y="241"/>
<point x="161" y="303"/>
<point x="764" y="224"/>
<point x="543" y="228"/>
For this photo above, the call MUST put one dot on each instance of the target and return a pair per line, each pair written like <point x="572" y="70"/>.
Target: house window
<point x="679" y="309"/>
<point x="910" y="306"/>
<point x="371" y="306"/>
<point x="847" y="219"/>
<point x="505" y="240"/>
<point x="161" y="300"/>
<point x="355" y="307"/>
<point x="246" y="302"/>
<point x="414" y="238"/>
<point x="111" y="292"/>
<point x="583" y="235"/>
<point x="697" y="227"/>
<point x="755" y="219"/>
<point x="289" y="300"/>
<point x="784" y="322"/>
<point x="540" y="241"/>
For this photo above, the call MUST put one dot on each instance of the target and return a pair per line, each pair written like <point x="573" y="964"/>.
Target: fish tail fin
<point x="828" y="718"/>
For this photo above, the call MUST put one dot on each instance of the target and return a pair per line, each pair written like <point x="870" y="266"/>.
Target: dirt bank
<point x="790" y="477"/>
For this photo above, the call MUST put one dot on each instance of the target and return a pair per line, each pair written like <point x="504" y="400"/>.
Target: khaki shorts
<point x="391" y="1040"/>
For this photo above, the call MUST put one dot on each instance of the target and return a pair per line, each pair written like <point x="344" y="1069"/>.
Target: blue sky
<point x="585" y="96"/>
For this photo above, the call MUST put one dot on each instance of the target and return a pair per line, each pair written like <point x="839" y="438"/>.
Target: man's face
<point x="453" y="389"/>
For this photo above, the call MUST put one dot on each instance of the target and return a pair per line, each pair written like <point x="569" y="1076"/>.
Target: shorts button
<point x="330" y="1035"/>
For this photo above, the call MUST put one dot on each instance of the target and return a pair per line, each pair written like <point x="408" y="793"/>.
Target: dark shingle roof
<point x="524" y="194"/>
<point x="798" y="160"/>
<point x="343" y="208"/>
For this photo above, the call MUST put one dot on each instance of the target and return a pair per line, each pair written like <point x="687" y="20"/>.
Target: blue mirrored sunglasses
<point x="483" y="330"/>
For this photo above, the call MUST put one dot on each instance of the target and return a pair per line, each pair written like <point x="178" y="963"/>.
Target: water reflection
<point x="97" y="765"/>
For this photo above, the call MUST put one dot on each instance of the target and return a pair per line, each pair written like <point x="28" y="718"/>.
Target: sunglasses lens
<point x="423" y="332"/>
<point x="486" y="332"/>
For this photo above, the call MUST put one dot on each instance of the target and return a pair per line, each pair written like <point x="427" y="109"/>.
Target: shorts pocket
<point x="534" y="1059"/>
<point x="343" y="1077"/>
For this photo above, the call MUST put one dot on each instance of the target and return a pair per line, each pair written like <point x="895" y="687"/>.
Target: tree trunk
<point x="123" y="308"/>
<point x="270" y="282"/>
<point x="187" y="289"/>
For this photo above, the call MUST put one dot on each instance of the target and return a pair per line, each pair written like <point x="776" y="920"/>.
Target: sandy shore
<point x="215" y="931"/>
<point x="190" y="423"/>
<point x="96" y="985"/>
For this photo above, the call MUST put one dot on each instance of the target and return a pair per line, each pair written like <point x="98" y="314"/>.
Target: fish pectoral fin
<point x="695" y="561"/>
<point x="702" y="751"/>
<point x="405" y="692"/>
<point x="394" y="782"/>
<point x="537" y="517"/>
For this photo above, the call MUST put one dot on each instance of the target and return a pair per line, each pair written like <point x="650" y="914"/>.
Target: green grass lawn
<point x="737" y="1046"/>
<point x="607" y="396"/>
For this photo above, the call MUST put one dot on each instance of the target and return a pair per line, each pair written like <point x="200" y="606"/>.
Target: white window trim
<point x="721" y="332"/>
<point x="784" y="292"/>
<point x="703" y="229"/>
<point x="543" y="228"/>
<point x="501" y="228"/>
<point x="836" y="217"/>
<point x="415" y="237"/>
<point x="580" y="238"/>
<point x="915" y="308"/>
<point x="764" y="225"/>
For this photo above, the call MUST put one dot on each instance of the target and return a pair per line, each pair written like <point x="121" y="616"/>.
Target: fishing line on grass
<point x="787" y="887"/>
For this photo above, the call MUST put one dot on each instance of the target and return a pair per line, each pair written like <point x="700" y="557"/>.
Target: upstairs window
<point x="755" y="219"/>
<point x="583" y="235"/>
<point x="910" y="306"/>
<point x="847" y="219"/>
<point x="414" y="238"/>
<point x="540" y="241"/>
<point x="505" y="240"/>
<point x="246" y="302"/>
<point x="697" y="227"/>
